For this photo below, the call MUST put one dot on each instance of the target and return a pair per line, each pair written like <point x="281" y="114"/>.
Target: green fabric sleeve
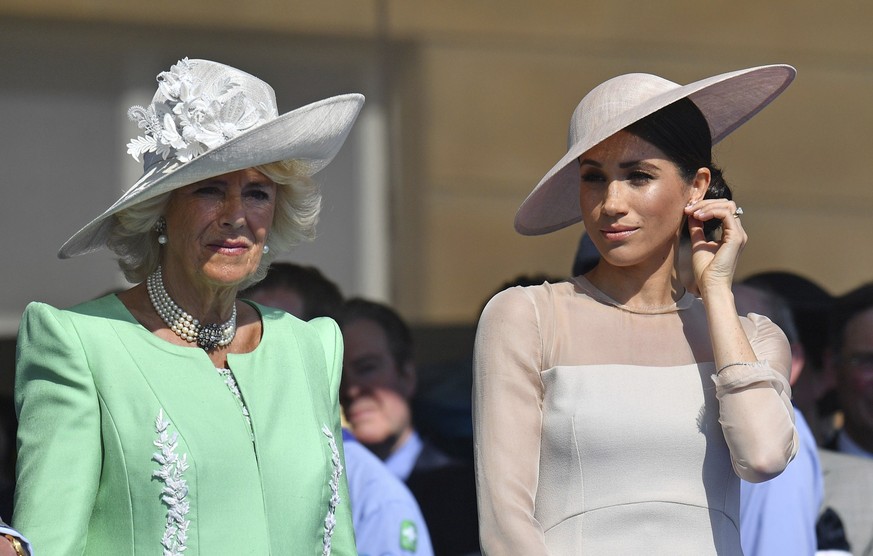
<point x="59" y="449"/>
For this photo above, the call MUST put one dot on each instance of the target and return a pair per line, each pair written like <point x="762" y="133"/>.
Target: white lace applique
<point x="234" y="389"/>
<point x="194" y="118"/>
<point x="175" y="489"/>
<point x="330" y="519"/>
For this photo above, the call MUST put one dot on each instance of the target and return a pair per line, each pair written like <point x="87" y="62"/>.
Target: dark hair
<point x="681" y="132"/>
<point x="321" y="297"/>
<point x="397" y="332"/>
<point x="777" y="309"/>
<point x="810" y="304"/>
<point x="846" y="308"/>
<point x="587" y="256"/>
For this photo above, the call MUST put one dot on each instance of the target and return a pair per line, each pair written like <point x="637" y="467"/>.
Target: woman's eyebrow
<point x="589" y="162"/>
<point x="214" y="181"/>
<point x="638" y="164"/>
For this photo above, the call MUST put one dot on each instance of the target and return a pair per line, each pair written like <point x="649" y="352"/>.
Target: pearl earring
<point x="266" y="249"/>
<point x="161" y="228"/>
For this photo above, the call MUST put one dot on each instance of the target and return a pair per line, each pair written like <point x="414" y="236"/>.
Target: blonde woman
<point x="172" y="418"/>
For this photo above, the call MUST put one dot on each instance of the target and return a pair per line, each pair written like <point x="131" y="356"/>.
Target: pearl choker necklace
<point x="207" y="336"/>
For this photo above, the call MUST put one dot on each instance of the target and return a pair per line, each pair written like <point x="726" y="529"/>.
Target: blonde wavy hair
<point x="298" y="202"/>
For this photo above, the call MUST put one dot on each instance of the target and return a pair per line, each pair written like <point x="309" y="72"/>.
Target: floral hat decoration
<point x="727" y="101"/>
<point x="208" y="119"/>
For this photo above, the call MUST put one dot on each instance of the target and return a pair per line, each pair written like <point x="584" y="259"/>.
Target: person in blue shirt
<point x="386" y="516"/>
<point x="779" y="516"/>
<point x="378" y="386"/>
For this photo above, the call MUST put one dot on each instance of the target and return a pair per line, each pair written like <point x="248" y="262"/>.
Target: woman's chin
<point x="228" y="273"/>
<point x="622" y="261"/>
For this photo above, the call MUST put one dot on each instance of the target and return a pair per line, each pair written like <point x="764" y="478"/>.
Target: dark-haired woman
<point x="614" y="413"/>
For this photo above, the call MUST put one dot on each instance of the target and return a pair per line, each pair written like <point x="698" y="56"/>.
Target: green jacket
<point x="128" y="444"/>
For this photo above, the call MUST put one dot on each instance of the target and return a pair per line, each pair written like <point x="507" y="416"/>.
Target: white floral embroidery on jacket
<point x="175" y="489"/>
<point x="330" y="519"/>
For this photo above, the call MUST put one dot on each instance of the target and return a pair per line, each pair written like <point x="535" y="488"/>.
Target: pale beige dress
<point x="603" y="430"/>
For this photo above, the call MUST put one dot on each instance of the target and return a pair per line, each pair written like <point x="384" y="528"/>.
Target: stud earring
<point x="266" y="249"/>
<point x="161" y="228"/>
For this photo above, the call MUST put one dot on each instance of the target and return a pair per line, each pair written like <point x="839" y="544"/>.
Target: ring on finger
<point x="738" y="212"/>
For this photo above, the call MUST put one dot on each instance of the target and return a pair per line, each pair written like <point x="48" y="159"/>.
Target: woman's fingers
<point x="708" y="209"/>
<point x="722" y="209"/>
<point x="715" y="261"/>
<point x="695" y="228"/>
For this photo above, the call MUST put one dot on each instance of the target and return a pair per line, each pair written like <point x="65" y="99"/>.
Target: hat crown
<point x="613" y="100"/>
<point x="206" y="74"/>
<point x="199" y="105"/>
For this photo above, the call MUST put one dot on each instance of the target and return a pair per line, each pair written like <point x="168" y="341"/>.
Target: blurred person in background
<point x="614" y="412"/>
<point x="379" y="382"/>
<point x="586" y="257"/>
<point x="303" y="291"/>
<point x="850" y="360"/>
<point x="172" y="418"/>
<point x="386" y="516"/>
<point x="779" y="516"/>
<point x="847" y="460"/>
<point x="813" y="391"/>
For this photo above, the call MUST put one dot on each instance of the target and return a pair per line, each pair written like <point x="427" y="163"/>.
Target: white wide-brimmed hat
<point x="727" y="101"/>
<point x="208" y="119"/>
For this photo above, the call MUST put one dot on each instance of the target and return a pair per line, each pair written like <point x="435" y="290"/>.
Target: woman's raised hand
<point x="715" y="262"/>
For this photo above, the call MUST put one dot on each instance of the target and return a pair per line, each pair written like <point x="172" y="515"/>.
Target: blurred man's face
<point x="375" y="391"/>
<point x="855" y="378"/>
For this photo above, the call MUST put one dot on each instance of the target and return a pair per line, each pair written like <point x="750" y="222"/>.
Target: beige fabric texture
<point x="602" y="430"/>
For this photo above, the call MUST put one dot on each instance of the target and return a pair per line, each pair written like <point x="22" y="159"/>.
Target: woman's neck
<point x="206" y="302"/>
<point x="248" y="329"/>
<point x="640" y="286"/>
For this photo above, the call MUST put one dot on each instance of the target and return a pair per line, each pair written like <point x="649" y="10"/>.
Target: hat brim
<point x="310" y="135"/>
<point x="727" y="101"/>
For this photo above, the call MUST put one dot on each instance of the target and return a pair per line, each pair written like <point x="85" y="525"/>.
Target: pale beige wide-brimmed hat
<point x="208" y="119"/>
<point x="727" y="101"/>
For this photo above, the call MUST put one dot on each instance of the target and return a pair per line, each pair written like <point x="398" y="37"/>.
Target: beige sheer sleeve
<point x="525" y="332"/>
<point x="755" y="408"/>
<point x="507" y="421"/>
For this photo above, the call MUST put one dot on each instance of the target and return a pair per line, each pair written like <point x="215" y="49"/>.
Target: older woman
<point x="613" y="413"/>
<point x="171" y="417"/>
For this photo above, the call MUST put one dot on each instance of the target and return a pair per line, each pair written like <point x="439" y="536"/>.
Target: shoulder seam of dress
<point x="539" y="325"/>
